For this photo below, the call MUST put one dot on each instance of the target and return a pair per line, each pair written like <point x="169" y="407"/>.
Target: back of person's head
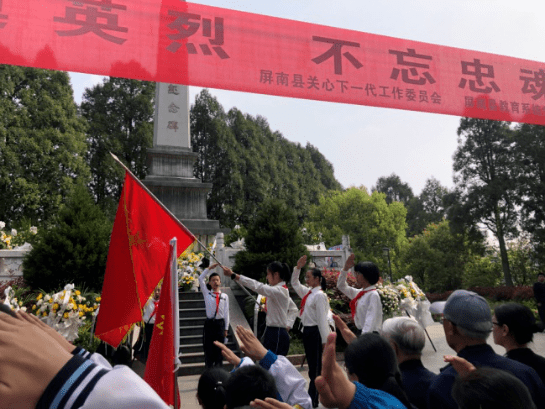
<point x="491" y="388"/>
<point x="281" y="268"/>
<point x="519" y="319"/>
<point x="470" y="313"/>
<point x="317" y="273"/>
<point x="406" y="333"/>
<point x="371" y="358"/>
<point x="212" y="387"/>
<point x="369" y="271"/>
<point x="210" y="278"/>
<point x="247" y="384"/>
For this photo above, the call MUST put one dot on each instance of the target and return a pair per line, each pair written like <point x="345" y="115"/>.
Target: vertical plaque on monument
<point x="171" y="125"/>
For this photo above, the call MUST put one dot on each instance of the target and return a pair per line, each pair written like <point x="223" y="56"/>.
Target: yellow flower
<point x="81" y="313"/>
<point x="44" y="314"/>
<point x="51" y="301"/>
<point x="65" y="315"/>
<point x="33" y="307"/>
<point x="98" y="299"/>
<point x="78" y="292"/>
<point x="55" y="306"/>
<point x="39" y="297"/>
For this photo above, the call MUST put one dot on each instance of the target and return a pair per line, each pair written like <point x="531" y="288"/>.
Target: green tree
<point x="120" y="115"/>
<point x="394" y="189"/>
<point x="437" y="258"/>
<point x="371" y="223"/>
<point x="486" y="179"/>
<point x="42" y="143"/>
<point x="273" y="235"/>
<point x="427" y="208"/>
<point x="217" y="162"/>
<point x="248" y="163"/>
<point x="73" y="250"/>
<point x="530" y="158"/>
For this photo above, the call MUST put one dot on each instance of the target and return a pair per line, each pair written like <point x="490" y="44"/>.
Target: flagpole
<point x="175" y="218"/>
<point x="175" y="316"/>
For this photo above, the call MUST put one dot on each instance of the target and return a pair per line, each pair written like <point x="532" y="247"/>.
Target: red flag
<point x="162" y="356"/>
<point x="137" y="259"/>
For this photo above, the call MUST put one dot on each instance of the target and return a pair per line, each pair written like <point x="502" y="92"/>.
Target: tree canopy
<point x="42" y="143"/>
<point x="486" y="180"/>
<point x="248" y="163"/>
<point x="371" y="223"/>
<point x="120" y="116"/>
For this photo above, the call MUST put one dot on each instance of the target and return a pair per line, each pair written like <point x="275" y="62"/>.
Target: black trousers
<point x="277" y="340"/>
<point x="214" y="330"/>
<point x="312" y="342"/>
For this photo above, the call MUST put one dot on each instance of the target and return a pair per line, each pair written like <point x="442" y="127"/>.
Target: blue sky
<point x="365" y="143"/>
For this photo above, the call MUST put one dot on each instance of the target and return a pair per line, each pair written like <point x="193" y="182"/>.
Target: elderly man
<point x="408" y="339"/>
<point x="467" y="322"/>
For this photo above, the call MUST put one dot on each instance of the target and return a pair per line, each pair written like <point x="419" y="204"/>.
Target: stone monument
<point x="170" y="163"/>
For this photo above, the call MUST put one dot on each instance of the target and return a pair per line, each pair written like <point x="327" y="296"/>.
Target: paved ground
<point x="432" y="360"/>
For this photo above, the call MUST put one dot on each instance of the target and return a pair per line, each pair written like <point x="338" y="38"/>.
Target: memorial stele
<point x="170" y="163"/>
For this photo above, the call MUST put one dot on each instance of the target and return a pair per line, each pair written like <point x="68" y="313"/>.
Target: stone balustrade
<point x="11" y="264"/>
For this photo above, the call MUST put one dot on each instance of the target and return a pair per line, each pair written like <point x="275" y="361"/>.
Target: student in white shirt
<point x="365" y="306"/>
<point x="281" y="310"/>
<point x="216" y="325"/>
<point x="314" y="311"/>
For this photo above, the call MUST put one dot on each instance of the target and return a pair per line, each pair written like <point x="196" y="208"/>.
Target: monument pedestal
<point x="170" y="178"/>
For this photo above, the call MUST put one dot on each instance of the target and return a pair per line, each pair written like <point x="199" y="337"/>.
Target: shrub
<point x="74" y="250"/>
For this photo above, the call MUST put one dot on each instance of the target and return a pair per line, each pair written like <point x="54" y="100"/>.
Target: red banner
<point x="184" y="43"/>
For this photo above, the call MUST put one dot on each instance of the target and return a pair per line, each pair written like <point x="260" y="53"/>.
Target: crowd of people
<point x="383" y="366"/>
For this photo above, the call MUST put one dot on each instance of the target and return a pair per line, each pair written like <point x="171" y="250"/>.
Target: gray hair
<point x="406" y="333"/>
<point x="468" y="333"/>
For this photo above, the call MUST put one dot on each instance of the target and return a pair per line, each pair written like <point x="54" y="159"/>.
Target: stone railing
<point x="11" y="264"/>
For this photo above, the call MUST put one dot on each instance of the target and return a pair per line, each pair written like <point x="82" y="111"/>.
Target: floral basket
<point x="66" y="311"/>
<point x="389" y="298"/>
<point x="186" y="281"/>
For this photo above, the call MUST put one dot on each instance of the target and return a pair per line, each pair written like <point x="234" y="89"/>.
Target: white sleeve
<point x="202" y="284"/>
<point x="291" y="385"/>
<point x="372" y="313"/>
<point x="83" y="384"/>
<point x="260" y="288"/>
<point x="149" y="307"/>
<point x="122" y="388"/>
<point x="300" y="289"/>
<point x="226" y="312"/>
<point x="293" y="311"/>
<point x="343" y="286"/>
<point x="322" y="309"/>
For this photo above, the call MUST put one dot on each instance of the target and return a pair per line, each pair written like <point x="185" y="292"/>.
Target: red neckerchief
<point x="303" y="303"/>
<point x="218" y="298"/>
<point x="355" y="301"/>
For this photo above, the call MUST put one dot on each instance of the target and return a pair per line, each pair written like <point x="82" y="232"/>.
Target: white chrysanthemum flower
<point x="34" y="230"/>
<point x="13" y="232"/>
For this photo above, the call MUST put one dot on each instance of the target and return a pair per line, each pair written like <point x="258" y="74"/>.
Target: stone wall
<point x="11" y="264"/>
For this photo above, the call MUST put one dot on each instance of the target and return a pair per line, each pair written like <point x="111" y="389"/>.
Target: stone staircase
<point x="192" y="317"/>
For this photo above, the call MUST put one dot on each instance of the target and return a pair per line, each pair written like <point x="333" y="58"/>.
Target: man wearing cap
<point x="467" y="322"/>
